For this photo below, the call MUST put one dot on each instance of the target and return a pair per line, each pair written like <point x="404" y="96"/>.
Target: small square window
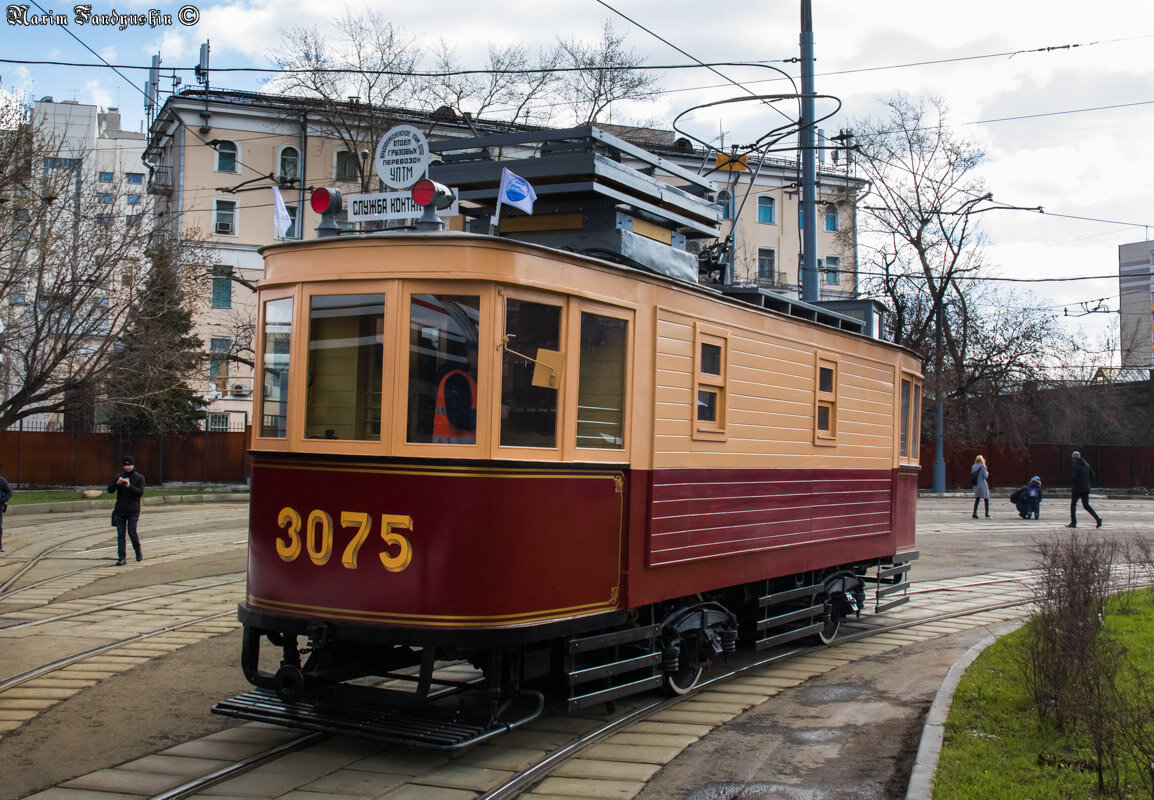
<point x="136" y="178"/>
<point x="106" y="177"/>
<point x="132" y="220"/>
<point x="710" y="359"/>
<point x="706" y="406"/>
<point x="105" y="197"/>
<point x="823" y="417"/>
<point x="132" y="199"/>
<point x="825" y="379"/>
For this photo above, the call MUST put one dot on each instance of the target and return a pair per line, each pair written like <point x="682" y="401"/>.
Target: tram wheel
<point x="830" y="625"/>
<point x="684" y="678"/>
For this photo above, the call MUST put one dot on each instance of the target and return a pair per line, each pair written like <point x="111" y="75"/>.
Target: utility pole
<point x="806" y="140"/>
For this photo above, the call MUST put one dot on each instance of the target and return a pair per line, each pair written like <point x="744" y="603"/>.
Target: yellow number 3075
<point x="318" y="537"/>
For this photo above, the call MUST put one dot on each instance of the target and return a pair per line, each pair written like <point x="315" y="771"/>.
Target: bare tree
<point x="359" y="77"/>
<point x="514" y="85"/>
<point x="602" y="73"/>
<point x="923" y="252"/>
<point x="72" y="263"/>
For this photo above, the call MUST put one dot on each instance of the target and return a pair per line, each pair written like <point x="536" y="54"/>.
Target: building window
<point x="222" y="289"/>
<point x="832" y="270"/>
<point x="132" y="220"/>
<point x="104" y="197"/>
<point x="767" y="210"/>
<point x="726" y="202"/>
<point x="825" y="402"/>
<point x="766" y="264"/>
<point x="106" y="177"/>
<point x="217" y="423"/>
<point x="226" y="156"/>
<point x="136" y="178"/>
<point x="831" y="218"/>
<point x="218" y="350"/>
<point x="132" y="199"/>
<point x="224" y="218"/>
<point x="347" y="166"/>
<point x="289" y="167"/>
<point x="710" y="385"/>
<point x="291" y="232"/>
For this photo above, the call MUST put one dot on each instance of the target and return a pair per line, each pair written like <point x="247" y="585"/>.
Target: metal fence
<point x="55" y="458"/>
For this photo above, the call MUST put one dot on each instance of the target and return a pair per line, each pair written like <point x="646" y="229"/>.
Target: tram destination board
<point x="390" y="206"/>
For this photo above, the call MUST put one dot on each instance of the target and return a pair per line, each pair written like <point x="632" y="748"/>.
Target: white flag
<point x="516" y="192"/>
<point x="281" y="220"/>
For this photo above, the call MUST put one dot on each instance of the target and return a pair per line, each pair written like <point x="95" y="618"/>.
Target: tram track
<point x="644" y="709"/>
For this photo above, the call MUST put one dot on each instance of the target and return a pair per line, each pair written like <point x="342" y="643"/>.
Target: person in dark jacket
<point x="1029" y="500"/>
<point x="128" y="487"/>
<point x="1081" y="490"/>
<point x="5" y="496"/>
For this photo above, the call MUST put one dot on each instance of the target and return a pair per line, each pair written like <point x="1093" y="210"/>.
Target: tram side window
<point x="825" y="408"/>
<point x="346" y="348"/>
<point x="710" y="386"/>
<point x="601" y="388"/>
<point x="443" y="340"/>
<point x="530" y="374"/>
<point x="911" y="418"/>
<point x="278" y="316"/>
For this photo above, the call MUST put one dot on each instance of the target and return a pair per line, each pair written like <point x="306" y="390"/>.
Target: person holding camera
<point x="128" y="487"/>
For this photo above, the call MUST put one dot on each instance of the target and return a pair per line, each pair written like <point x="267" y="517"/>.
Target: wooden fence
<point x="53" y="458"/>
<point x="1115" y="466"/>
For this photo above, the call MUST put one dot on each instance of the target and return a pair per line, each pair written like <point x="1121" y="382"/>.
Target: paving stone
<point x="62" y="793"/>
<point x="605" y="770"/>
<point x="588" y="789"/>
<point x="353" y="783"/>
<point x="9" y="714"/>
<point x="176" y="765"/>
<point x="416" y="792"/>
<point x="401" y="763"/>
<point x="126" y="781"/>
<point x="453" y="776"/>
<point x="632" y="753"/>
<point x="497" y="756"/>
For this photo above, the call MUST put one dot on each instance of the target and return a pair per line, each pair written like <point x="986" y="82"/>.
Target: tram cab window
<point x="278" y="316"/>
<point x="530" y="374"/>
<point x="442" y="395"/>
<point x="911" y="414"/>
<point x="601" y="385"/>
<point x="346" y="348"/>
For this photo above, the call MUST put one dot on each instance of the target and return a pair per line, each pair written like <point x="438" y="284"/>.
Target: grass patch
<point x="23" y="497"/>
<point x="995" y="748"/>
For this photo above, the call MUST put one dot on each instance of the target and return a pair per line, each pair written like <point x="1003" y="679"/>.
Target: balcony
<point x="776" y="280"/>
<point x="229" y="387"/>
<point x="160" y="179"/>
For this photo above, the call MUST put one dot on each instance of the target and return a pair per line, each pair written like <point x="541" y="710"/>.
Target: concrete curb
<point x="73" y="506"/>
<point x="921" y="785"/>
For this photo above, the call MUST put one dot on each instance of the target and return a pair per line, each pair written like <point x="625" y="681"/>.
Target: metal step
<point x="427" y="727"/>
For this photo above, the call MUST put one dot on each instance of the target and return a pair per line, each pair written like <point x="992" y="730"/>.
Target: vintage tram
<point x="486" y="469"/>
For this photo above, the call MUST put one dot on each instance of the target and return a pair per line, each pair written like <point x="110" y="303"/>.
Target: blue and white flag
<point x="280" y="216"/>
<point x="516" y="192"/>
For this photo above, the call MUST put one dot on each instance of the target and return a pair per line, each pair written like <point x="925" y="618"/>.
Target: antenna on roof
<point x="152" y="87"/>
<point x="202" y="68"/>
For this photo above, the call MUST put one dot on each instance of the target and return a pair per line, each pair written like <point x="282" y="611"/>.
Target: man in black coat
<point x="128" y="487"/>
<point x="1081" y="490"/>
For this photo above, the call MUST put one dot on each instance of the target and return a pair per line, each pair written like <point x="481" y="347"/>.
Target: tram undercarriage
<point x="439" y="697"/>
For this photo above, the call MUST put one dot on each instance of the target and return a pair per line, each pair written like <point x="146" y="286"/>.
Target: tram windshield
<point x="346" y="348"/>
<point x="278" y="315"/>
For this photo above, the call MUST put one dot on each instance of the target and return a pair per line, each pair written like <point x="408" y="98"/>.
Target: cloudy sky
<point x="1060" y="94"/>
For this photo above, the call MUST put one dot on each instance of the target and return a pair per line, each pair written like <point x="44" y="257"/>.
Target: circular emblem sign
<point x="402" y="157"/>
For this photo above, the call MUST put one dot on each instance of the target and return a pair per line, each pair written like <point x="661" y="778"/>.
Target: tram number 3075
<point x="317" y="541"/>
